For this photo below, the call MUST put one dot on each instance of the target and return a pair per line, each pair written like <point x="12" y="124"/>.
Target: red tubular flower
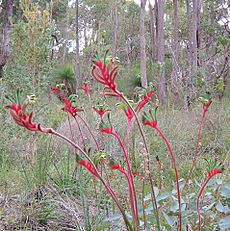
<point x="150" y="120"/>
<point x="214" y="172"/>
<point x="101" y="109"/>
<point x="126" y="109"/>
<point x="150" y="123"/>
<point x="117" y="167"/>
<point x="24" y="120"/>
<point x="106" y="127"/>
<point x="86" y="89"/>
<point x="105" y="76"/>
<point x="68" y="107"/>
<point x="108" y="130"/>
<point x="88" y="166"/>
<point x="145" y="100"/>
<point x="55" y="90"/>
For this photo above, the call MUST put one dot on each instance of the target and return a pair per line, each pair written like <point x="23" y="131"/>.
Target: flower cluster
<point x="105" y="75"/>
<point x="23" y="119"/>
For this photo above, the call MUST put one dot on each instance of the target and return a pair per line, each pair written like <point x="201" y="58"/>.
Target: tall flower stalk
<point x="151" y="120"/>
<point x="206" y="103"/>
<point x="105" y="74"/>
<point x="107" y="128"/>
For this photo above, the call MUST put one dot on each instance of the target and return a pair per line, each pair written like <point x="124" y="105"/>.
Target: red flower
<point x="108" y="130"/>
<point x="214" y="172"/>
<point x="106" y="77"/>
<point x="58" y="92"/>
<point x="106" y="126"/>
<point x="88" y="166"/>
<point x="145" y="100"/>
<point x="85" y="87"/>
<point x="55" y="90"/>
<point x="126" y="109"/>
<point x="149" y="119"/>
<point x="101" y="109"/>
<point x="70" y="109"/>
<point x="129" y="114"/>
<point x="117" y="167"/>
<point x="150" y="123"/>
<point x="22" y="119"/>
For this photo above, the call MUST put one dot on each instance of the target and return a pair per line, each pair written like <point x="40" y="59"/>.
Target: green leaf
<point x="163" y="196"/>
<point x="225" y="223"/>
<point x="221" y="208"/>
<point x="225" y="192"/>
<point x="170" y="219"/>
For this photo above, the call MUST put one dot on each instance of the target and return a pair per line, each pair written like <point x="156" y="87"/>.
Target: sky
<point x="138" y="1"/>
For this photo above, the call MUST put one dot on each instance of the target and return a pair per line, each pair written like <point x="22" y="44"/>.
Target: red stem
<point x="130" y="179"/>
<point x="107" y="187"/>
<point x="81" y="134"/>
<point x="130" y="185"/>
<point x="198" y="199"/>
<point x="154" y="202"/>
<point x="196" y="149"/>
<point x="176" y="172"/>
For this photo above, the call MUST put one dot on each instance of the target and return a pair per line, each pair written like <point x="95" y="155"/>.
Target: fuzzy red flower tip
<point x="129" y="114"/>
<point x="150" y="123"/>
<point x="22" y="119"/>
<point x="100" y="111"/>
<point x="88" y="166"/>
<point x="55" y="90"/>
<point x="214" y="172"/>
<point x="86" y="89"/>
<point x="137" y="174"/>
<point x="108" y="130"/>
<point x="68" y="107"/>
<point x="117" y="167"/>
<point x="145" y="100"/>
<point x="58" y="92"/>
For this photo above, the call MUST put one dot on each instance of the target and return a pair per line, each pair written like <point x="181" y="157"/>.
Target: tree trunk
<point x="78" y="66"/>
<point x="195" y="36"/>
<point x="115" y="29"/>
<point x="161" y="51"/>
<point x="175" y="51"/>
<point x="5" y="43"/>
<point x="142" y="45"/>
<point x="153" y="32"/>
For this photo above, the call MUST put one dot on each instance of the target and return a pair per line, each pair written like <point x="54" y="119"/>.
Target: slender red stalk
<point x="196" y="149"/>
<point x="81" y="133"/>
<point x="154" y="202"/>
<point x="210" y="175"/>
<point x="120" y="169"/>
<point x="176" y="173"/>
<point x="159" y="172"/>
<point x="130" y="177"/>
<point x="107" y="187"/>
